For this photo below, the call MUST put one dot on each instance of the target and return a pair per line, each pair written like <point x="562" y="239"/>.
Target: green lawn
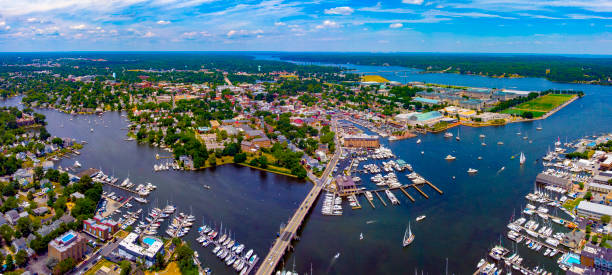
<point x="540" y="105"/>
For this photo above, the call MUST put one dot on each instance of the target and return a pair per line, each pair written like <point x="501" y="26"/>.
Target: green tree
<point x="126" y="267"/>
<point x="605" y="219"/>
<point x="588" y="196"/>
<point x="7" y="233"/>
<point x="240" y="157"/>
<point x="10" y="265"/>
<point x="64" y="266"/>
<point x="38" y="173"/>
<point x="21" y="258"/>
<point x="64" y="179"/>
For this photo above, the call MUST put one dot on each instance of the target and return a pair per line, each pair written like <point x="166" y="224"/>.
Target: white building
<point x="593" y="210"/>
<point x="130" y="249"/>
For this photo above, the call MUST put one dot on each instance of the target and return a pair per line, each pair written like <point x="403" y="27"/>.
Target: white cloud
<point x="231" y="33"/>
<point x="396" y="25"/>
<point x="414" y="2"/>
<point x="340" y="11"/>
<point x="328" y="24"/>
<point x="148" y="34"/>
<point x="163" y="22"/>
<point x="78" y="27"/>
<point x="279" y="24"/>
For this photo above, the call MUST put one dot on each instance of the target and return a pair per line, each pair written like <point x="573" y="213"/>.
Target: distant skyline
<point x="510" y="26"/>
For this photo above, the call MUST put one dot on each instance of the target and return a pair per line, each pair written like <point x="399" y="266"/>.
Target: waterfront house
<point x="345" y="185"/>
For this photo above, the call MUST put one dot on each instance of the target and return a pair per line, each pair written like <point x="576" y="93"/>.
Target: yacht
<point x="420" y="218"/>
<point x="482" y="136"/>
<point x="449" y="157"/>
<point x="408" y="236"/>
<point x="77" y="164"/>
<point x="448" y="135"/>
<point x="522" y="158"/>
<point x="360" y="236"/>
<point x="418" y="141"/>
<point x="472" y="171"/>
<point x="500" y="143"/>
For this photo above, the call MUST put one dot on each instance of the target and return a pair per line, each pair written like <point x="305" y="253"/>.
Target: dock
<point x="358" y="205"/>
<point x="434" y="187"/>
<point x="249" y="266"/>
<point x="406" y="193"/>
<point x="381" y="199"/>
<point x="420" y="191"/>
<point x="371" y="202"/>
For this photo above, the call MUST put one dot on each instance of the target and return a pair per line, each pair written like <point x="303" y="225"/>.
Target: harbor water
<point x="461" y="225"/>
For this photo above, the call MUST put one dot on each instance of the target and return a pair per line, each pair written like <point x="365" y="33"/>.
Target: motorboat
<point x="420" y="218"/>
<point x="472" y="171"/>
<point x="449" y="157"/>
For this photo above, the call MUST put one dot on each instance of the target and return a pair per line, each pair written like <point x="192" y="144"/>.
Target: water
<point x="461" y="225"/>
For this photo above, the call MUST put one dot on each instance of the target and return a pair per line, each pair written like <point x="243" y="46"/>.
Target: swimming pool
<point x="148" y="241"/>
<point x="67" y="237"/>
<point x="571" y="259"/>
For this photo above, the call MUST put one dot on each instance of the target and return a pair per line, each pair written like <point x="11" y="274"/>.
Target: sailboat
<point x="418" y="141"/>
<point x="408" y="236"/>
<point x="522" y="158"/>
<point x="457" y="137"/>
<point x="360" y="236"/>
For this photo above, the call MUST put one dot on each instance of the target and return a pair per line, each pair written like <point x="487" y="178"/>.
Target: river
<point x="461" y="225"/>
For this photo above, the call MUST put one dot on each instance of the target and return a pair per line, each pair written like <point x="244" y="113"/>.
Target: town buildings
<point x="361" y="141"/>
<point x="70" y="245"/>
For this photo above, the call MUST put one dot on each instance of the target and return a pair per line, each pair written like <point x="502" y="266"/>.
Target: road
<point x="93" y="258"/>
<point x="283" y="242"/>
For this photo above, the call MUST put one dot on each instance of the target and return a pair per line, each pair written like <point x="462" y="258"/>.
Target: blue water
<point x="67" y="237"/>
<point x="148" y="241"/>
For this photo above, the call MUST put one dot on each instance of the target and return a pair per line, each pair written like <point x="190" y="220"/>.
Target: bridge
<point x="283" y="242"/>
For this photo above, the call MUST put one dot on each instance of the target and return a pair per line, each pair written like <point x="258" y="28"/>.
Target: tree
<point x="7" y="233"/>
<point x="57" y="141"/>
<point x="240" y="157"/>
<point x="605" y="219"/>
<point x="581" y="185"/>
<point x="64" y="179"/>
<point x="528" y="115"/>
<point x="38" y="173"/>
<point x="21" y="258"/>
<point x="212" y="160"/>
<point x="126" y="267"/>
<point x="24" y="225"/>
<point x="9" y="262"/>
<point x="64" y="266"/>
<point x="263" y="162"/>
<point x="588" y="196"/>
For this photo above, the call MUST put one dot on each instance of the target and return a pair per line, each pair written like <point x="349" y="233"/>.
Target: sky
<point x="495" y="26"/>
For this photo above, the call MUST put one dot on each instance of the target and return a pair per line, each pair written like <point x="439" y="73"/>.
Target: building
<point x="132" y="250"/>
<point x="593" y="210"/>
<point x="361" y="141"/>
<point x="425" y="119"/>
<point x="426" y="101"/>
<point x="600" y="188"/>
<point x="599" y="258"/>
<point x="100" y="228"/>
<point x="345" y="185"/>
<point x="544" y="179"/>
<point x="69" y="245"/>
<point x="573" y="239"/>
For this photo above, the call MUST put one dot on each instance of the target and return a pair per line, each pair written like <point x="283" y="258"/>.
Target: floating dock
<point x="421" y="191"/>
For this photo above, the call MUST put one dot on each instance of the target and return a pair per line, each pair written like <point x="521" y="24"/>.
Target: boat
<point x="418" y="141"/>
<point x="422" y="152"/>
<point x="408" y="236"/>
<point x="420" y="218"/>
<point x="206" y="186"/>
<point x="472" y="171"/>
<point x="360" y="236"/>
<point x="457" y="137"/>
<point x="500" y="143"/>
<point x="91" y="129"/>
<point x="77" y="164"/>
<point x="337" y="255"/>
<point x="448" y="135"/>
<point x="449" y="157"/>
<point x="522" y="158"/>
<point x="482" y="136"/>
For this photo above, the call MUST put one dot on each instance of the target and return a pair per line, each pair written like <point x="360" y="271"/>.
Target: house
<point x="40" y="211"/>
<point x="20" y="244"/>
<point x="12" y="216"/>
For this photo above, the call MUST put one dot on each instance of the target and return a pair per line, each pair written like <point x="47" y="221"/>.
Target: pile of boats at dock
<point x="386" y="180"/>
<point x="180" y="225"/>
<point x="142" y="190"/>
<point x="154" y="219"/>
<point x="129" y="218"/>
<point x="228" y="249"/>
<point x="512" y="262"/>
<point x="101" y="177"/>
<point x="332" y="205"/>
<point x="391" y="197"/>
<point x="532" y="241"/>
<point x="166" y="166"/>
<point x="382" y="153"/>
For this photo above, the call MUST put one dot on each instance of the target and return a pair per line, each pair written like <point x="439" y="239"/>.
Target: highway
<point x="283" y="242"/>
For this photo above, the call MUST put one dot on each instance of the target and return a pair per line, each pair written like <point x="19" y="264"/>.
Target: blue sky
<point x="522" y="26"/>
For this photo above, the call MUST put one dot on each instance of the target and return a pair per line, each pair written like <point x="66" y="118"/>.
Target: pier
<point x="381" y="199"/>
<point x="420" y="191"/>
<point x="434" y="187"/>
<point x="371" y="203"/>
<point x="406" y="193"/>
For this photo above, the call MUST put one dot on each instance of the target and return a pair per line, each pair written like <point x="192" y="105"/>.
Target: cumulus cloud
<point x="256" y="33"/>
<point x="78" y="27"/>
<point x="328" y="24"/>
<point x="148" y="34"/>
<point x="396" y="25"/>
<point x="340" y="11"/>
<point x="413" y="2"/>
<point x="163" y="22"/>
<point x="279" y="24"/>
<point x="231" y="33"/>
<point x="4" y="26"/>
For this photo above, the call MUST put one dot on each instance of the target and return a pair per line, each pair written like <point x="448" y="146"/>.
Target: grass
<point x="99" y="264"/>
<point x="374" y="78"/>
<point x="121" y="234"/>
<point x="171" y="269"/>
<point x="540" y="105"/>
<point x="570" y="205"/>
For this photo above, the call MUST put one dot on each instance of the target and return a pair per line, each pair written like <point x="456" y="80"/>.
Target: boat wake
<point x="502" y="169"/>
<point x="370" y="221"/>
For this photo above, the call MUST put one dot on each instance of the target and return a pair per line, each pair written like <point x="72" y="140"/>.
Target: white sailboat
<point x="457" y="137"/>
<point x="418" y="141"/>
<point x="522" y="158"/>
<point x="360" y="236"/>
<point x="408" y="236"/>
